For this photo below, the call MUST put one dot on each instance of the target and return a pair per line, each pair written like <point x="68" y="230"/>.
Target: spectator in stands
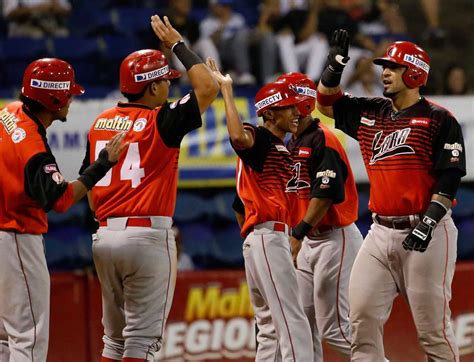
<point x="178" y="12"/>
<point x="184" y="260"/>
<point x="266" y="40"/>
<point x="433" y="34"/>
<point x="301" y="48"/>
<point x="455" y="80"/>
<point x="230" y="34"/>
<point x="365" y="80"/>
<point x="36" y="18"/>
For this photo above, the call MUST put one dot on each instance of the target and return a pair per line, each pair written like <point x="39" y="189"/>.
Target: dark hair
<point x="447" y="72"/>
<point x="135" y="97"/>
<point x="31" y="104"/>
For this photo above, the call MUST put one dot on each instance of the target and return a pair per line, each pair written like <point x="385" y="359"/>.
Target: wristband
<point x="178" y="42"/>
<point x="327" y="100"/>
<point x="300" y="230"/>
<point x="94" y="173"/>
<point x="331" y="78"/>
<point x="185" y="55"/>
<point x="435" y="211"/>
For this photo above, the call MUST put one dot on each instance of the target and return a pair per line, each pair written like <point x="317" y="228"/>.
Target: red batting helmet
<point x="276" y="94"/>
<point x="143" y="67"/>
<point x="411" y="56"/>
<point x="50" y="82"/>
<point x="305" y="87"/>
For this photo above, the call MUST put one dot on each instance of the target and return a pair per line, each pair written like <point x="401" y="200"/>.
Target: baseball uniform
<point x="263" y="172"/>
<point x="403" y="152"/>
<point x="31" y="184"/>
<point x="134" y="250"/>
<point x="325" y="260"/>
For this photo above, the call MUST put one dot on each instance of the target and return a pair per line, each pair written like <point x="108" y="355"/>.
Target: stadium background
<point x="101" y="34"/>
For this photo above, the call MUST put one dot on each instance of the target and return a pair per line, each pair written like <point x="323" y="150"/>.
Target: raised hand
<point x="338" y="51"/>
<point x="165" y="31"/>
<point x="223" y="80"/>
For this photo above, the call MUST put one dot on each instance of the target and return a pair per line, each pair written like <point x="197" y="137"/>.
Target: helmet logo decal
<point x="274" y="98"/>
<point x="44" y="84"/>
<point x="306" y="91"/>
<point x="416" y="62"/>
<point x="157" y="73"/>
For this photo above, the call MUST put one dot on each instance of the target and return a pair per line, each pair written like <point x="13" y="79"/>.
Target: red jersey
<point x="263" y="172"/>
<point x="403" y="150"/>
<point x="144" y="181"/>
<point x="31" y="183"/>
<point x="322" y="170"/>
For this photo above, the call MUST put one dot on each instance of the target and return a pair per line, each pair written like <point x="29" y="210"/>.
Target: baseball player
<point x="325" y="230"/>
<point x="413" y="151"/>
<point x="134" y="251"/>
<point x="32" y="184"/>
<point x="263" y="172"/>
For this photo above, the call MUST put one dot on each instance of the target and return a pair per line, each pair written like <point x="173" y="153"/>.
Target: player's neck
<point x="303" y="124"/>
<point x="406" y="99"/>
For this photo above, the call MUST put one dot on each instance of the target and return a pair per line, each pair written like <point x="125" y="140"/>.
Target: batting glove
<point x="420" y="236"/>
<point x="339" y="50"/>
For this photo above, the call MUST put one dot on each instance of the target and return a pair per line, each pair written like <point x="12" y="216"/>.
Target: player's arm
<point x="202" y="81"/>
<point x="241" y="138"/>
<point x="329" y="90"/>
<point x="449" y="167"/>
<point x="45" y="184"/>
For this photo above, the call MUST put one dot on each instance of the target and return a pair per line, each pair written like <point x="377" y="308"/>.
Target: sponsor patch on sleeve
<point x="52" y="167"/>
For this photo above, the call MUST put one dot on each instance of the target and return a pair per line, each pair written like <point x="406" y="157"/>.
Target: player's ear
<point x="268" y="115"/>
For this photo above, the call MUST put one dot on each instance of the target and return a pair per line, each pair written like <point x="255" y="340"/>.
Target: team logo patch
<point x="57" y="177"/>
<point x="281" y="148"/>
<point x="424" y="122"/>
<point x="367" y="122"/>
<point x="157" y="73"/>
<point x="139" y="125"/>
<point x="326" y="174"/>
<point x="304" y="152"/>
<point x="185" y="99"/>
<point x="417" y="62"/>
<point x="50" y="168"/>
<point x="43" y="84"/>
<point x="18" y="135"/>
<point x="453" y="146"/>
<point x="268" y="101"/>
<point x="306" y="91"/>
<point x="392" y="145"/>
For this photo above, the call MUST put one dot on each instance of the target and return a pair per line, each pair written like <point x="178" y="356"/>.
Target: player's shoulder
<point x="330" y="138"/>
<point x="21" y="127"/>
<point x="436" y="110"/>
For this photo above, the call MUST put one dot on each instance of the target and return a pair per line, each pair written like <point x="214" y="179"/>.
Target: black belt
<point x="398" y="223"/>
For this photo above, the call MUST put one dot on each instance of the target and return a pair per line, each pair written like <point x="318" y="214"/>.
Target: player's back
<point x="20" y="139"/>
<point x="144" y="181"/>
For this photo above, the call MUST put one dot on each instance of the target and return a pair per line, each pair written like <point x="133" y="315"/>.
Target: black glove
<point x="339" y="50"/>
<point x="94" y="173"/>
<point x="421" y="235"/>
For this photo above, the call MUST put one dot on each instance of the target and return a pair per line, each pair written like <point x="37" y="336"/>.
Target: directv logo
<point x="43" y="84"/>
<point x="268" y="101"/>
<point x="416" y="62"/>
<point x="143" y="77"/>
<point x="306" y="91"/>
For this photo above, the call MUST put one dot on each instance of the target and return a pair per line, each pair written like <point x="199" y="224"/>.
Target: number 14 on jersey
<point x="130" y="168"/>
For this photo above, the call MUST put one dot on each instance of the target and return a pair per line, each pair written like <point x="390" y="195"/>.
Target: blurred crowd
<point x="255" y="41"/>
